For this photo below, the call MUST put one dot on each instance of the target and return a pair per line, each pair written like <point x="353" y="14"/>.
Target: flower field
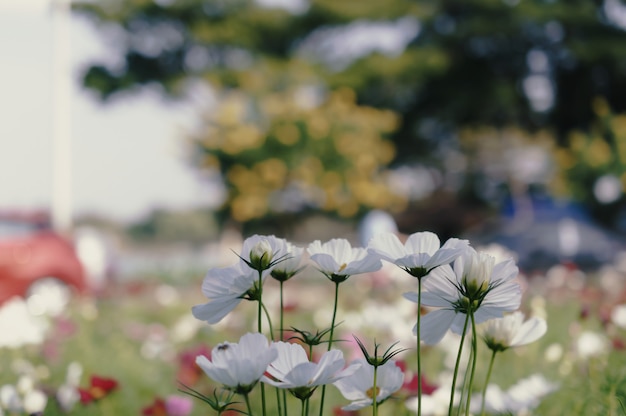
<point x="133" y="349"/>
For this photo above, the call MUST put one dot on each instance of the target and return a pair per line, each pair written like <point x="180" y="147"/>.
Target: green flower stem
<point x="269" y="321"/>
<point x="375" y="394"/>
<point x="278" y="391"/>
<point x="419" y="348"/>
<point x="260" y="329"/>
<point x="465" y="382"/>
<point x="304" y="411"/>
<point x="282" y="309"/>
<point x="247" y="400"/>
<point x="482" y="406"/>
<point x="330" y="341"/>
<point x="332" y="324"/>
<point x="473" y="370"/>
<point x="260" y="307"/>
<point x="456" y="366"/>
<point x="282" y="338"/>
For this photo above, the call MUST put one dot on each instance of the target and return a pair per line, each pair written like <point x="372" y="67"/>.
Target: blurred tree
<point x="592" y="166"/>
<point x="440" y="66"/>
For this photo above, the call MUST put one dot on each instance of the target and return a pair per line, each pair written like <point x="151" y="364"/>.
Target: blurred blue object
<point x="544" y="231"/>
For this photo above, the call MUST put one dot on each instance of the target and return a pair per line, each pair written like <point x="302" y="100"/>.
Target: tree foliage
<point x="437" y="67"/>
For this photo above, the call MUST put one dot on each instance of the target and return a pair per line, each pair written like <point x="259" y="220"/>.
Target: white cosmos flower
<point x="521" y="398"/>
<point x="225" y="287"/>
<point x="338" y="260"/>
<point x="591" y="344"/>
<point x="238" y="366"/>
<point x="287" y="267"/>
<point x="511" y="331"/>
<point x="292" y="369"/>
<point x="419" y="254"/>
<point x="473" y="283"/>
<point x="618" y="316"/>
<point x="261" y="252"/>
<point x="358" y="388"/>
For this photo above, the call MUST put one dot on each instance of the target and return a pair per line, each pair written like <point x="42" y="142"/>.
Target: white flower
<point x="225" y="287"/>
<point x="419" y="254"/>
<point x="591" y="344"/>
<point x="289" y="265"/>
<point x="292" y="369"/>
<point x="511" y="331"/>
<point x="10" y="398"/>
<point x="35" y="401"/>
<point x="238" y="366"/>
<point x="67" y="394"/>
<point x="618" y="316"/>
<point x="338" y="260"/>
<point x="261" y="252"/>
<point x="469" y="286"/>
<point x="522" y="397"/>
<point x="358" y="387"/>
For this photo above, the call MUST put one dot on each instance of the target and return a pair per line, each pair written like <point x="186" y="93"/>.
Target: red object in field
<point x="30" y="250"/>
<point x="99" y="387"/>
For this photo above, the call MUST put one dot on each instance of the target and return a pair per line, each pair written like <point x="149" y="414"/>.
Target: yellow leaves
<point x="598" y="152"/>
<point x="332" y="154"/>
<point x="287" y="134"/>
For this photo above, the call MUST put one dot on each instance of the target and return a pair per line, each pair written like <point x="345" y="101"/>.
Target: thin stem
<point x="247" y="400"/>
<point x="282" y="338"/>
<point x="456" y="366"/>
<point x="475" y="353"/>
<point x="269" y="321"/>
<point x="332" y="324"/>
<point x="330" y="341"/>
<point x="304" y="407"/>
<point x="260" y="329"/>
<point x="419" y="348"/>
<point x="285" y="401"/>
<point x="465" y="383"/>
<point x="278" y="391"/>
<point x="482" y="406"/>
<point x="282" y="310"/>
<point x="260" y="307"/>
<point x="375" y="394"/>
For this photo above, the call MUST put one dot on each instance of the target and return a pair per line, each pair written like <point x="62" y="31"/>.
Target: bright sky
<point x="128" y="156"/>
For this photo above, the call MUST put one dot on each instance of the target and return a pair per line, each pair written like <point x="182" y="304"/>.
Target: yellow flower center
<point x="342" y="267"/>
<point x="370" y="392"/>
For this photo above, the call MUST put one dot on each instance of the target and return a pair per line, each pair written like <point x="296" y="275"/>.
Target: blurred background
<point x="142" y="127"/>
<point x="142" y="140"/>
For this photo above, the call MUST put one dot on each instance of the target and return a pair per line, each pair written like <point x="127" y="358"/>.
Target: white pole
<point x="61" y="117"/>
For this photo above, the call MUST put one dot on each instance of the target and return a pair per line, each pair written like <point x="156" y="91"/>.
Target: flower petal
<point x="530" y="331"/>
<point x="435" y="324"/>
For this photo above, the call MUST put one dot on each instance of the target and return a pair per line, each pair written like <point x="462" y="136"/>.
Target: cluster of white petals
<point x="239" y="366"/>
<point x="358" y="387"/>
<point x="292" y="368"/>
<point x="337" y="257"/>
<point x="489" y="290"/>
<point x="512" y="331"/>
<point x="420" y="253"/>
<point x="521" y="398"/>
<point x="226" y="287"/>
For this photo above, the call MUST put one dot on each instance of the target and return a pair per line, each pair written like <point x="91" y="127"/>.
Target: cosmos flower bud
<point x="261" y="255"/>
<point x="477" y="273"/>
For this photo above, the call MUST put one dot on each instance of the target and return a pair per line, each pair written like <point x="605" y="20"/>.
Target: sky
<point x="128" y="157"/>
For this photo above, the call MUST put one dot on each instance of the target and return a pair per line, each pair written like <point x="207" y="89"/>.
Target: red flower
<point x="157" y="408"/>
<point x="410" y="382"/>
<point x="337" y="411"/>
<point x="410" y="386"/>
<point x="99" y="387"/>
<point x="188" y="371"/>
